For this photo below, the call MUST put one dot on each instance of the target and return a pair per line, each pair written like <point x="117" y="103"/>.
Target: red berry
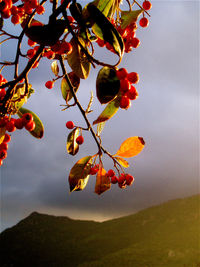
<point x="133" y="77"/>
<point x="93" y="171"/>
<point x="10" y="127"/>
<point x="2" y="93"/>
<point x="132" y="93"/>
<point x="15" y="19"/>
<point x="1" y="162"/>
<point x="19" y="123"/>
<point x="129" y="179"/>
<point x="31" y="53"/>
<point x="3" y="154"/>
<point x="66" y="48"/>
<point x="125" y="102"/>
<point x="30" y="126"/>
<point x="49" y="84"/>
<point x="144" y="22"/>
<point x="135" y="42"/>
<point x="7" y="138"/>
<point x="26" y="118"/>
<point x="100" y="42"/>
<point x="80" y="140"/>
<point x="110" y="173"/>
<point x="125" y="85"/>
<point x="31" y="43"/>
<point x="122" y="73"/>
<point x="147" y="5"/>
<point x="70" y="125"/>
<point x="40" y="10"/>
<point x="114" y="179"/>
<point x="4" y="146"/>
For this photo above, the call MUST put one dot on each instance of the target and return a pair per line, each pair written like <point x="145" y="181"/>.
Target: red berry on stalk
<point x="31" y="43"/>
<point x="1" y="162"/>
<point x="135" y="42"/>
<point x="30" y="126"/>
<point x="132" y="93"/>
<point x="3" y="154"/>
<point x="121" y="73"/>
<point x="125" y="102"/>
<point x="144" y="22"/>
<point x="114" y="179"/>
<point x="80" y="140"/>
<point x="2" y="93"/>
<point x="4" y="146"/>
<point x="7" y="138"/>
<point x="49" y="84"/>
<point x="133" y="77"/>
<point x="66" y="48"/>
<point x="40" y="10"/>
<point x="15" y="19"/>
<point x="70" y="125"/>
<point x="147" y="5"/>
<point x="125" y="85"/>
<point x="27" y="117"/>
<point x="129" y="179"/>
<point x="10" y="127"/>
<point x="19" y="124"/>
<point x="110" y="173"/>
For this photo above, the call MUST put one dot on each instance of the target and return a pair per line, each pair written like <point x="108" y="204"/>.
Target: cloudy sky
<point x="34" y="177"/>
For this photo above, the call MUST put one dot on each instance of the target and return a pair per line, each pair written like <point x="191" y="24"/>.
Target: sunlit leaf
<point x="131" y="147"/>
<point x="107" y="85"/>
<point x="100" y="127"/>
<point x="123" y="162"/>
<point x="65" y="89"/>
<point x="2" y="134"/>
<point x="38" y="132"/>
<point x="102" y="182"/>
<point x="109" y="111"/>
<point x="78" y="61"/>
<point x="72" y="146"/>
<point x="129" y="17"/>
<point x="104" y="29"/>
<point x="107" y="7"/>
<point x="79" y="174"/>
<point x="55" y="67"/>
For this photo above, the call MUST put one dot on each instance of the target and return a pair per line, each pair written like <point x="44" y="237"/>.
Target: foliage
<point x="68" y="41"/>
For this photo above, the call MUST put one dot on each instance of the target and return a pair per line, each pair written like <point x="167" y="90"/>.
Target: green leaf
<point x="2" y="134"/>
<point x="104" y="29"/>
<point x="122" y="161"/>
<point x="65" y="89"/>
<point x="107" y="7"/>
<point x="38" y="132"/>
<point x="129" y="17"/>
<point x="100" y="127"/>
<point x="55" y="67"/>
<point x="102" y="182"/>
<point x="78" y="61"/>
<point x="109" y="111"/>
<point x="72" y="146"/>
<point x="107" y="85"/>
<point x="79" y="174"/>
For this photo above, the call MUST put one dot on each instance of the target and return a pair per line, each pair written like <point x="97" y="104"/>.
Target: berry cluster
<point x="17" y="13"/>
<point x="94" y="169"/>
<point x="70" y="125"/>
<point x="10" y="125"/>
<point x="123" y="180"/>
<point x="128" y="91"/>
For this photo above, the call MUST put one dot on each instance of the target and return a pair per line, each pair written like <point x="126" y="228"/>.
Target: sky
<point x="34" y="177"/>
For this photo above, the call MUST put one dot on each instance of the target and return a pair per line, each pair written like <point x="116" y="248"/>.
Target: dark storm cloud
<point x="166" y="114"/>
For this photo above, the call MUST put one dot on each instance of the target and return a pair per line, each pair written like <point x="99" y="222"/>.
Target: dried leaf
<point x="2" y="134"/>
<point x="72" y="146"/>
<point x="102" y="182"/>
<point x="131" y="147"/>
<point x="55" y="67"/>
<point x="123" y="162"/>
<point x="100" y="127"/>
<point x="38" y="132"/>
<point x="65" y="89"/>
<point x="79" y="174"/>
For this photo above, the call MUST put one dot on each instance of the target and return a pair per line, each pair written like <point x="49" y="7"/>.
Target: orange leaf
<point x="123" y="162"/>
<point x="131" y="147"/>
<point x="102" y="182"/>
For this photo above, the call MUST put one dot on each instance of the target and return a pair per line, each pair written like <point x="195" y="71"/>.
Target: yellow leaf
<point x="123" y="162"/>
<point x="131" y="147"/>
<point x="102" y="182"/>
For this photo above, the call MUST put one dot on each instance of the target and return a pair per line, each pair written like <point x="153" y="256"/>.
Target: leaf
<point x="129" y="17"/>
<point x="100" y="127"/>
<point x="55" y="67"/>
<point x="104" y="29"/>
<point x="78" y="61"/>
<point x="122" y="161"/>
<point x="72" y="146"/>
<point x="109" y="111"/>
<point x="88" y="109"/>
<point x="131" y="147"/>
<point x="2" y="134"/>
<point x="38" y="132"/>
<point x="102" y="182"/>
<point x="79" y="174"/>
<point x="107" y="7"/>
<point x="65" y="89"/>
<point x="107" y="85"/>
